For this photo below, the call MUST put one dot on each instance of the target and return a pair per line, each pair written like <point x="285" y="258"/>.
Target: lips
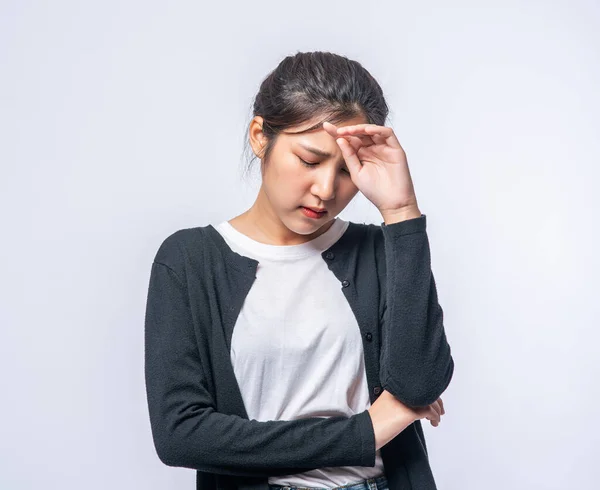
<point x="316" y="210"/>
<point x="312" y="214"/>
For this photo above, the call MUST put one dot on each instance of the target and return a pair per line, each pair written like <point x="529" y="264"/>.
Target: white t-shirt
<point x="296" y="348"/>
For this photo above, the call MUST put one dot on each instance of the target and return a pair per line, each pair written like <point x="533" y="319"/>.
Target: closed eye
<point x="309" y="164"/>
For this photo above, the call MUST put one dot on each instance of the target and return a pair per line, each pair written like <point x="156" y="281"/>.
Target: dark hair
<point x="315" y="84"/>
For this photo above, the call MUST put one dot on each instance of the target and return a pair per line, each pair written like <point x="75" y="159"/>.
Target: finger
<point x="360" y="128"/>
<point x="438" y="409"/>
<point x="434" y="406"/>
<point x="365" y="139"/>
<point x="330" y="128"/>
<point x="442" y="405"/>
<point x="352" y="161"/>
<point x="384" y="132"/>
<point x="355" y="141"/>
<point x="432" y="413"/>
<point x="435" y="416"/>
<point x="366" y="129"/>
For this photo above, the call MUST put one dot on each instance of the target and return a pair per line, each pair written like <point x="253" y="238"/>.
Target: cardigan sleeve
<point x="416" y="364"/>
<point x="189" y="432"/>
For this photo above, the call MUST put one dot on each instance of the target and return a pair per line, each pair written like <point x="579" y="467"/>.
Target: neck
<point x="268" y="227"/>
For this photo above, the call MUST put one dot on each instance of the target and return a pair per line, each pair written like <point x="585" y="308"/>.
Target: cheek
<point x="347" y="187"/>
<point x="277" y="172"/>
<point x="294" y="177"/>
<point x="347" y="190"/>
<point x="288" y="182"/>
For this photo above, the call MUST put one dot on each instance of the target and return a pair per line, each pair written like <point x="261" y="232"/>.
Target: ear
<point x="256" y="135"/>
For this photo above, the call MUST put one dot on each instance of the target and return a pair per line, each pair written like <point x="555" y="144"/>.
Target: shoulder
<point x="175" y="250"/>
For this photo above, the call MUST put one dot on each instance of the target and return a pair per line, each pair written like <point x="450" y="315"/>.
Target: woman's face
<point x="288" y="183"/>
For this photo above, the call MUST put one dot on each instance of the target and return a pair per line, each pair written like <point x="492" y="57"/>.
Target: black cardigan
<point x="196" y="289"/>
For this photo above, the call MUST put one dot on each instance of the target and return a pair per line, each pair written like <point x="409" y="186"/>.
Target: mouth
<point x="312" y="213"/>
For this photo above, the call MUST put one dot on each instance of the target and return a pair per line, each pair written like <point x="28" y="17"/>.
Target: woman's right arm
<point x="188" y="431"/>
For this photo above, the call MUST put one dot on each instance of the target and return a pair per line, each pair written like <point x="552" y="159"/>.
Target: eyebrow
<point x="316" y="151"/>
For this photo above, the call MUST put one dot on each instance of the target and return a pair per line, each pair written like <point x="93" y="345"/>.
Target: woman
<point x="286" y="347"/>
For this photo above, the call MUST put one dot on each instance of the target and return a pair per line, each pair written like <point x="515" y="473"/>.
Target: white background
<point x="123" y="121"/>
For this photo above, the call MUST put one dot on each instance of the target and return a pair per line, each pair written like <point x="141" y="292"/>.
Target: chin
<point x="316" y="225"/>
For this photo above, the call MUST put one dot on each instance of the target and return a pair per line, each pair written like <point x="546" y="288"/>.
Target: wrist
<point x="391" y="216"/>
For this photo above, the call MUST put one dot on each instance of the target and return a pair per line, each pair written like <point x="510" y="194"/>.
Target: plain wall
<point x="124" y="121"/>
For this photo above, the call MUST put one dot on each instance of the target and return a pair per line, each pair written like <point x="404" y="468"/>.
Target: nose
<point x="325" y="183"/>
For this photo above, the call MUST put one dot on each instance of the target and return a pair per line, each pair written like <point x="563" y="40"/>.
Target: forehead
<point x="317" y="136"/>
<point x="319" y="128"/>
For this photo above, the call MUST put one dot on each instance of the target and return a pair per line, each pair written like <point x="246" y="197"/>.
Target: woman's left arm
<point x="416" y="364"/>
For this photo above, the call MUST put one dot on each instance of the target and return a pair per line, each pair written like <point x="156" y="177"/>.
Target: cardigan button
<point x="369" y="336"/>
<point x="345" y="283"/>
<point x="377" y="390"/>
<point x="329" y="255"/>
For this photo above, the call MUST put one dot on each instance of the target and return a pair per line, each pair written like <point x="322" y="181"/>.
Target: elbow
<point x="424" y="390"/>
<point x="173" y="449"/>
<point x="182" y="440"/>
<point x="167" y="451"/>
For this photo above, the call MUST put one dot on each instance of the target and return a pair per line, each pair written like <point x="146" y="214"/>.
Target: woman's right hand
<point x="390" y="416"/>
<point x="432" y="412"/>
